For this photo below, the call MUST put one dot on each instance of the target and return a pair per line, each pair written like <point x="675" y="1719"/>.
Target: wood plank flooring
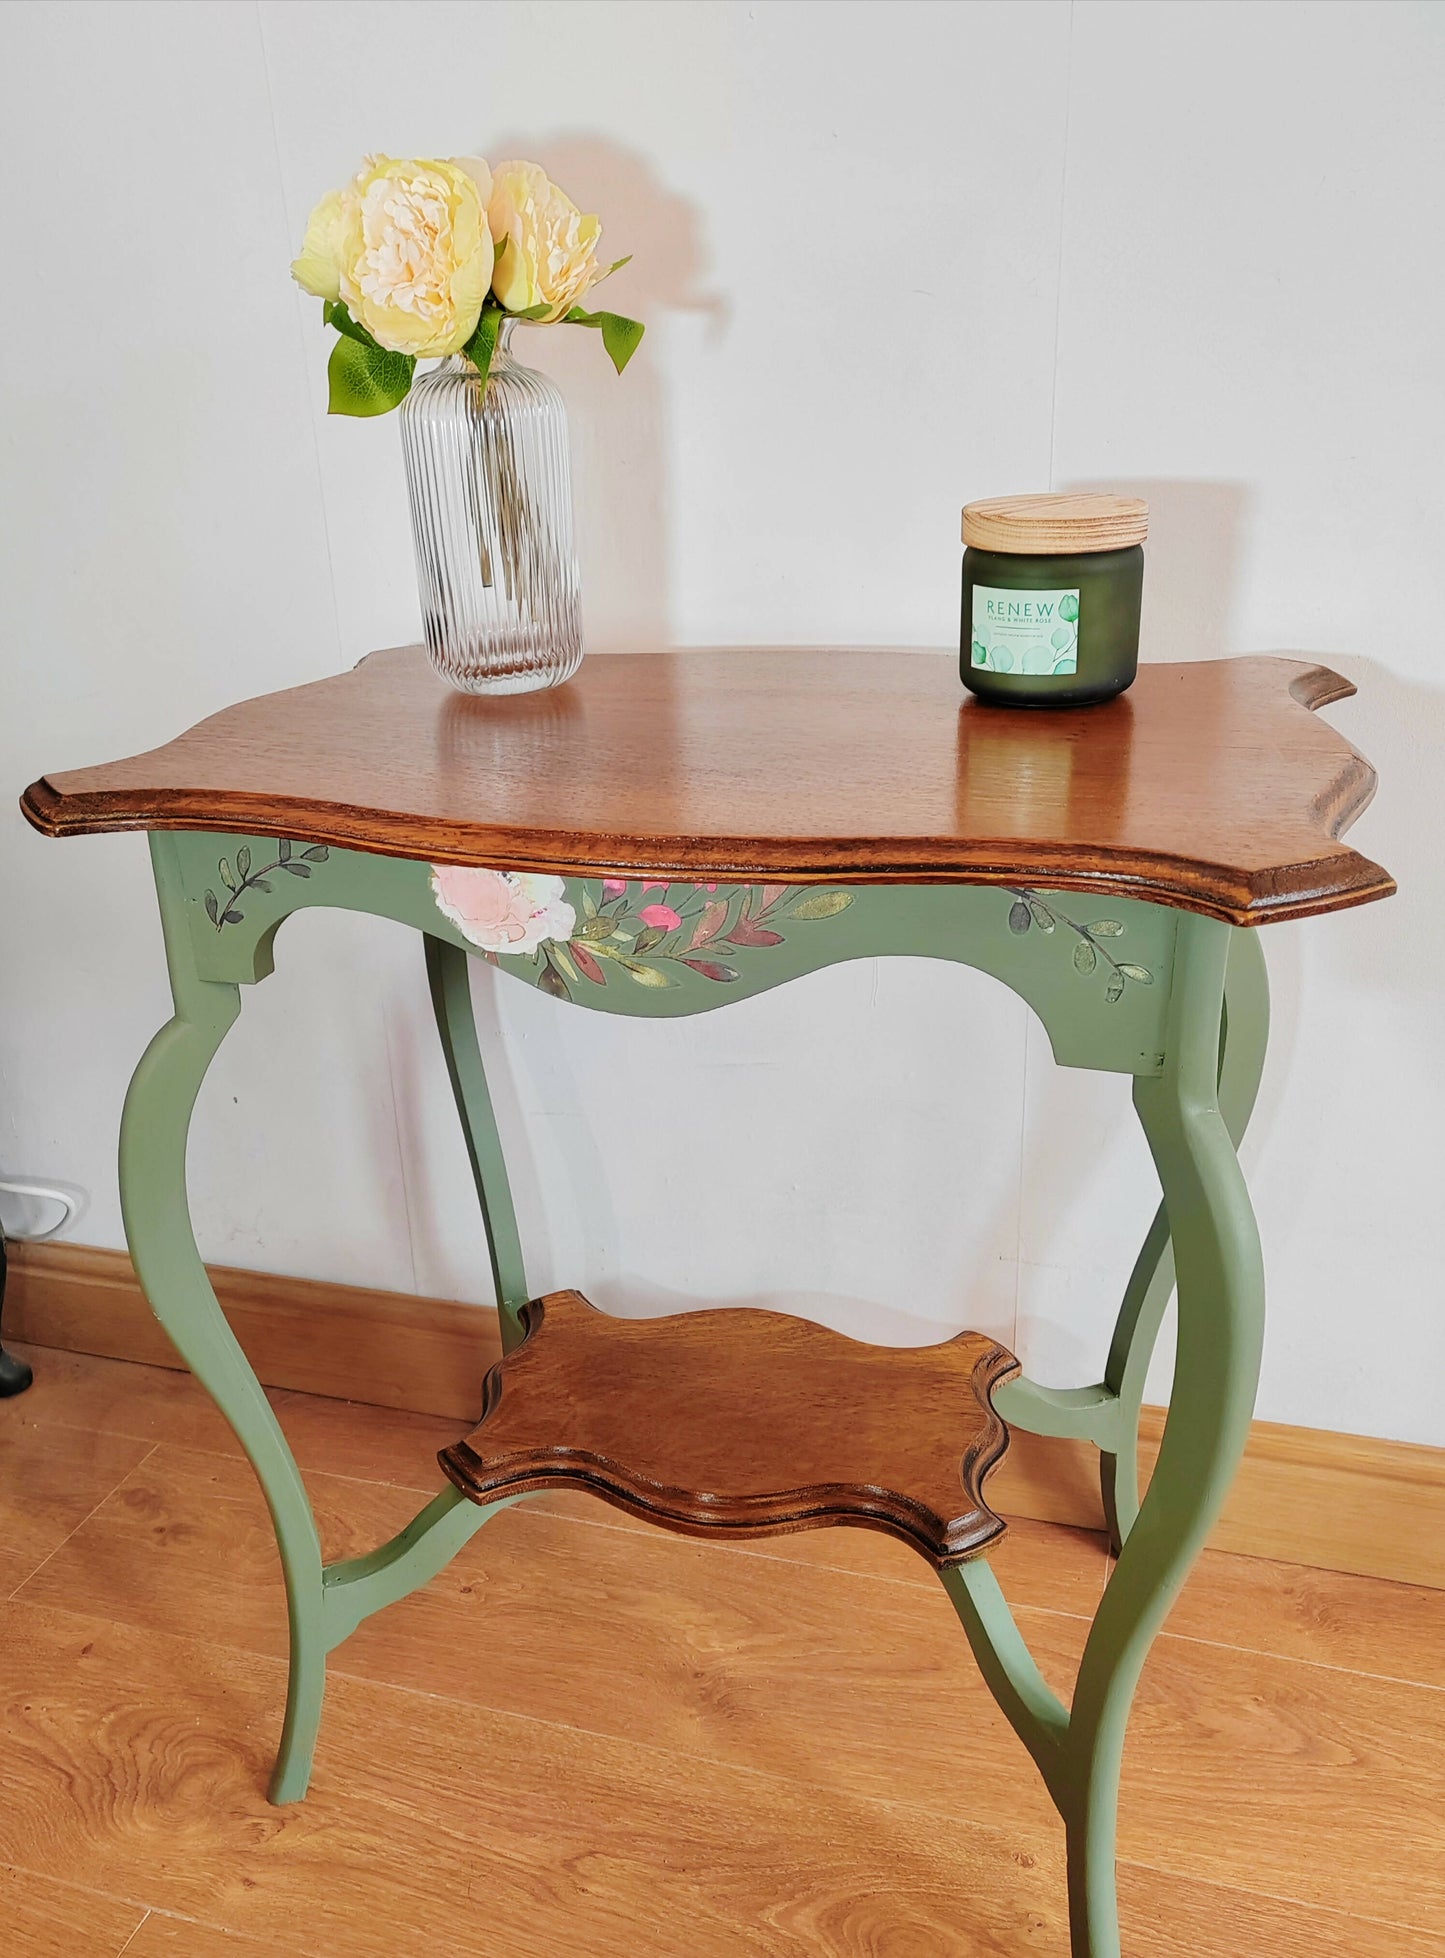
<point x="587" y="1739"/>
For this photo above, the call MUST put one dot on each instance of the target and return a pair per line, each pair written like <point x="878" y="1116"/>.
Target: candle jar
<point x="1052" y="587"/>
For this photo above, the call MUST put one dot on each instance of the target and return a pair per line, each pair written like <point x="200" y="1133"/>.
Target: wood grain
<point x="694" y="1748"/>
<point x="1210" y="786"/>
<point x="41" y="1919"/>
<point x="744" y="1424"/>
<point x="1062" y="526"/>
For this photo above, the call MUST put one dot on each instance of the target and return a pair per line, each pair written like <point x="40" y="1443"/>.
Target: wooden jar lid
<point x="1056" y="526"/>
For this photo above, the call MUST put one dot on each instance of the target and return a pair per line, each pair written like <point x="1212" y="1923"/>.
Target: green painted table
<point x="670" y="832"/>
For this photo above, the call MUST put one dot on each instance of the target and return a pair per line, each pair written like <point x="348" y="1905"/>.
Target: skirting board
<point x="1304" y="1495"/>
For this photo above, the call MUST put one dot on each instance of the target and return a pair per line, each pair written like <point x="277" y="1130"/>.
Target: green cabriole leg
<point x="448" y="971"/>
<point x="154" y="1204"/>
<point x="1244" y="1035"/>
<point x="1221" y="1326"/>
<point x="325" y="1604"/>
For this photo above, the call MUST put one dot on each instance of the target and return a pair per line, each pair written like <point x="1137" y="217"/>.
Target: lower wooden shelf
<point x="741" y="1423"/>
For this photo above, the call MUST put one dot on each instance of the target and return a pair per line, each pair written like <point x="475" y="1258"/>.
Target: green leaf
<point x="232" y="917"/>
<point x="1140" y="974"/>
<point x="600" y="926"/>
<point x="243" y="861"/>
<point x="297" y="869"/>
<point x="483" y="343"/>
<point x="227" y="877"/>
<point x="213" y="910"/>
<point x="366" y="379"/>
<point x="1043" y="917"/>
<point x="1085" y="957"/>
<point x="645" y="975"/>
<point x="589" y="903"/>
<point x="1019" y="916"/>
<point x="822" y="904"/>
<point x="1107" y="928"/>
<point x="260" y="884"/>
<point x="647" y="938"/>
<point x="284" y="849"/>
<point x="549" y="980"/>
<point x="337" y="314"/>
<point x="318" y="853"/>
<point x="620" y="336"/>
<point x="1114" y="991"/>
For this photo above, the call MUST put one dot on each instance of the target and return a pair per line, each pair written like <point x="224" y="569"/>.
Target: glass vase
<point x="491" y="512"/>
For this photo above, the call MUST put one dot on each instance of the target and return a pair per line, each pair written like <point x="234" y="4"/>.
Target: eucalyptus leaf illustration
<point x="244" y="878"/>
<point x="1090" y="946"/>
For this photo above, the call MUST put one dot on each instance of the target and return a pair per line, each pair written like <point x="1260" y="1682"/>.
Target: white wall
<point x="891" y="256"/>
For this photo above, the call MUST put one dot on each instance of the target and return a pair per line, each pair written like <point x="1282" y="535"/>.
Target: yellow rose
<point x="546" y="248"/>
<point x="406" y="245"/>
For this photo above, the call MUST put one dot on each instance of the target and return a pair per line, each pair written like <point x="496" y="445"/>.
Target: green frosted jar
<point x="1052" y="587"/>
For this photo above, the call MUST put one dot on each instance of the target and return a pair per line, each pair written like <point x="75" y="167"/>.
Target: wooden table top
<point x="1212" y="786"/>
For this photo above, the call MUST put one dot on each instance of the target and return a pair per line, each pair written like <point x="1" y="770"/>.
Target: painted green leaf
<point x="1114" y="991"/>
<point x="298" y="869"/>
<point x="243" y="861"/>
<point x="822" y="904"/>
<point x="366" y="379"/>
<point x="558" y="954"/>
<point x="600" y="926"/>
<point x="1069" y="607"/>
<point x="227" y="875"/>
<point x="1085" y="957"/>
<point x="283" y="849"/>
<point x="589" y="903"/>
<point x="233" y="917"/>
<point x="213" y="909"/>
<point x="620" y="336"/>
<point x="1043" y="917"/>
<point x="318" y="853"/>
<point x="1139" y="973"/>
<point x="550" y="980"/>
<point x="260" y="884"/>
<point x="649" y="937"/>
<point x="1019" y="917"/>
<point x="645" y="975"/>
<point x="1107" y="928"/>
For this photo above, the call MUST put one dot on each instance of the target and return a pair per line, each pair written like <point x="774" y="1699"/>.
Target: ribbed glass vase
<point x="491" y="513"/>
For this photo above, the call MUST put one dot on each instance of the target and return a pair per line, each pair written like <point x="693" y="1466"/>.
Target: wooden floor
<point x="590" y="1740"/>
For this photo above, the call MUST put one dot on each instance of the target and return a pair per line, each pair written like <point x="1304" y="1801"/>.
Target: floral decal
<point x="226" y="909"/>
<point x="626" y="934"/>
<point x="503" y="910"/>
<point x="1090" y="952"/>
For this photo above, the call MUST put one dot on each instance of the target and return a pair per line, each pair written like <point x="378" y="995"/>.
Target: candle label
<point x="1033" y="632"/>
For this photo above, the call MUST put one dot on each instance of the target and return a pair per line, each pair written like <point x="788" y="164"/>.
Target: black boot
<point x="15" y="1375"/>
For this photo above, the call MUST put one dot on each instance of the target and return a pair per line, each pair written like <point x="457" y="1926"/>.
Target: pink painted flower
<point x="503" y="910"/>
<point x="613" y="886"/>
<point x="661" y="916"/>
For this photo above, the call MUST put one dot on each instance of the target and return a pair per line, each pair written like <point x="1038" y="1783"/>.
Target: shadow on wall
<point x="1191" y="563"/>
<point x="619" y="422"/>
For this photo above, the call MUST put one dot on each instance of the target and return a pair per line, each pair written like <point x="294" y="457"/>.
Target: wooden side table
<point x="673" y="831"/>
